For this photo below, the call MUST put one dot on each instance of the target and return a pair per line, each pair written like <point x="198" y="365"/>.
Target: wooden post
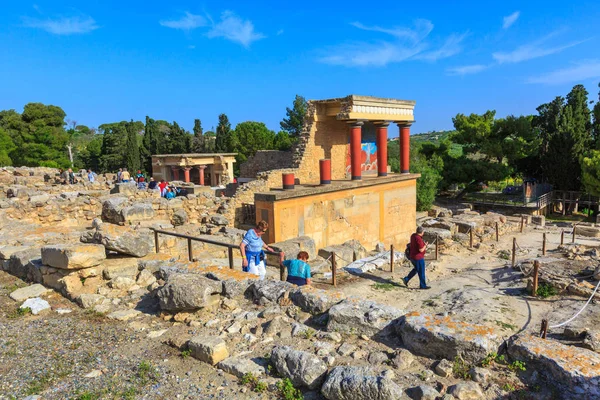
<point x="562" y="237"/>
<point x="437" y="246"/>
<point x="230" y="255"/>
<point x="190" y="250"/>
<point x="392" y="258"/>
<point x="497" y="235"/>
<point x="156" y="242"/>
<point x="536" y="270"/>
<point x="514" y="252"/>
<point x="573" y="240"/>
<point x="521" y="224"/>
<point x="333" y="270"/>
<point x="471" y="238"/>
<point x="544" y="245"/>
<point x="544" y="329"/>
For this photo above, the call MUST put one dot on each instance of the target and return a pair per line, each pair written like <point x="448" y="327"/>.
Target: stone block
<point x="209" y="349"/>
<point x="137" y="212"/>
<point x="302" y="368"/>
<point x="292" y="247"/>
<point x="124" y="240"/>
<point x="357" y="383"/>
<point x="573" y="370"/>
<point x="361" y="317"/>
<point x="240" y="366"/>
<point x="315" y="301"/>
<point x="187" y="292"/>
<point x="111" y="209"/>
<point x="36" y="305"/>
<point x="73" y="256"/>
<point x="28" y="292"/>
<point x="437" y="336"/>
<point x="539" y="220"/>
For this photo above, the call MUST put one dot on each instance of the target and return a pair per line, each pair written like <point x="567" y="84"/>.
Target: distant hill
<point x="433" y="137"/>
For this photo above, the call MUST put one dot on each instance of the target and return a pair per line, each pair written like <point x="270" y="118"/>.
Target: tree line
<point x="41" y="136"/>
<point x="559" y="145"/>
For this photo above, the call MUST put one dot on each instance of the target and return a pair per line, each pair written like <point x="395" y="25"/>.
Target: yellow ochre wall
<point x="370" y="214"/>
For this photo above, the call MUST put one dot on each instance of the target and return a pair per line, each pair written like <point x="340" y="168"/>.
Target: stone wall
<point x="265" y="160"/>
<point x="377" y="213"/>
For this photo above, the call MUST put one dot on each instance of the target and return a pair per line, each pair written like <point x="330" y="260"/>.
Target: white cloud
<point x="467" y="69"/>
<point x="422" y="29"/>
<point x="63" y="25"/>
<point x="280" y="32"/>
<point x="235" y="29"/>
<point x="584" y="70"/>
<point x="532" y="50"/>
<point x="405" y="44"/>
<point x="187" y="22"/>
<point x="451" y="46"/>
<point x="510" y="19"/>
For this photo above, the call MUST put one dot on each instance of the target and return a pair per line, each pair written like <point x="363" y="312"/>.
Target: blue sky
<point x="105" y="61"/>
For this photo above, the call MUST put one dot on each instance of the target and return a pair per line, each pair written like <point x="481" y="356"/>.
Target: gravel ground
<point x="50" y="355"/>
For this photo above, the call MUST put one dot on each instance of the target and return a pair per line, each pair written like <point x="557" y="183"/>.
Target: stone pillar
<point x="325" y="171"/>
<point x="175" y="171"/>
<point x="382" y="146"/>
<point x="201" y="169"/>
<point x="186" y="174"/>
<point x="404" y="147"/>
<point x="355" y="149"/>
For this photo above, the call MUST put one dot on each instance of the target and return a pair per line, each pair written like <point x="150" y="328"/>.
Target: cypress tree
<point x="132" y="156"/>
<point x="596" y="122"/>
<point x="198" y="140"/>
<point x="223" y="138"/>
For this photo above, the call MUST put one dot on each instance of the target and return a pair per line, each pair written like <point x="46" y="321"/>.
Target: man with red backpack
<point x="417" y="258"/>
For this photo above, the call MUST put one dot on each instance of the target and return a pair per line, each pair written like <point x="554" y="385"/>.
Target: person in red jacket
<point x="417" y="258"/>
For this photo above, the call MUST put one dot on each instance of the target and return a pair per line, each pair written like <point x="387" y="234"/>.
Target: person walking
<point x="417" y="258"/>
<point x="252" y="249"/>
<point x="71" y="177"/>
<point x="120" y="175"/>
<point x="298" y="270"/>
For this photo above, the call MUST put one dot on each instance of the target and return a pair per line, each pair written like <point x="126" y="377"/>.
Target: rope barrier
<point x="580" y="311"/>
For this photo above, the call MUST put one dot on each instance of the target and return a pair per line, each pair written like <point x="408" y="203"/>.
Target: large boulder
<point x="137" y="243"/>
<point x="572" y="370"/>
<point x="444" y="337"/>
<point x="315" y="301"/>
<point x="188" y="292"/>
<point x="18" y="263"/>
<point x="359" y="383"/>
<point x="302" y="368"/>
<point x="111" y="209"/>
<point x="137" y="212"/>
<point x="362" y="317"/>
<point x="587" y="231"/>
<point x="268" y="290"/>
<point x="73" y="256"/>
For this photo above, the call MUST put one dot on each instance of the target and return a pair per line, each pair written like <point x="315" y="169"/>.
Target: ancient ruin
<point x="201" y="169"/>
<point x="121" y="293"/>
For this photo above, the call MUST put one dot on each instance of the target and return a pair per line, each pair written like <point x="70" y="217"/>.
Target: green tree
<point x="91" y="154"/>
<point x="294" y="120"/>
<point x="114" y="142"/>
<point x="249" y="137"/>
<point x="209" y="138"/>
<point x="198" y="140"/>
<point x="179" y="140"/>
<point x="6" y="147"/>
<point x="591" y="173"/>
<point x="283" y="141"/>
<point x="132" y="155"/>
<point x="596" y="122"/>
<point x="223" y="136"/>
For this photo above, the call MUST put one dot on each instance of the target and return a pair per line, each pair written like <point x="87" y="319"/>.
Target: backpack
<point x="407" y="251"/>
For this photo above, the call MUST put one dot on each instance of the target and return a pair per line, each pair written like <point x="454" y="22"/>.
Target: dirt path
<point x="479" y="287"/>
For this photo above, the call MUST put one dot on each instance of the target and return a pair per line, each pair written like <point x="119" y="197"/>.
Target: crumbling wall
<point x="266" y="160"/>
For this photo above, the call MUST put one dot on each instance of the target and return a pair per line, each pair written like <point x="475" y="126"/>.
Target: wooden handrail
<point x="213" y="242"/>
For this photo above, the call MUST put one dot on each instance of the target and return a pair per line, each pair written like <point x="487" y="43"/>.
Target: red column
<point x="201" y="174"/>
<point x="382" y="144"/>
<point x="325" y="171"/>
<point x="355" y="149"/>
<point x="175" y="172"/>
<point x="404" y="148"/>
<point x="186" y="174"/>
<point x="288" y="181"/>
